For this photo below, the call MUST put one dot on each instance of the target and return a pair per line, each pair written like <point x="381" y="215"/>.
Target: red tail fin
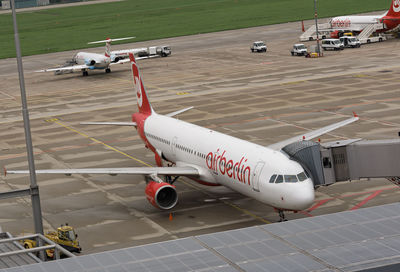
<point x="142" y="100"/>
<point x="394" y="10"/>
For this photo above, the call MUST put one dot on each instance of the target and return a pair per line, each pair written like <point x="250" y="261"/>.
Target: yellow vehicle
<point x="64" y="236"/>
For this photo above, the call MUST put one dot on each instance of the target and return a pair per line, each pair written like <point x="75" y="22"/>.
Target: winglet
<point x="355" y="114"/>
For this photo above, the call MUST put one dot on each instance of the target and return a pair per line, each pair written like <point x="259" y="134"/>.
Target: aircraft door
<point x="173" y="146"/>
<point x="256" y="176"/>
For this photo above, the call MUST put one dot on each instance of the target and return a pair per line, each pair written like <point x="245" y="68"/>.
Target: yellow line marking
<point x="100" y="142"/>
<point x="51" y="120"/>
<point x="55" y="120"/>
<point x="182" y="93"/>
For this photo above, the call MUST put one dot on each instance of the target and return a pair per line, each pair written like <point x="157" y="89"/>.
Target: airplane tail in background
<point x="141" y="96"/>
<point x="108" y="41"/>
<point x="107" y="52"/>
<point x="394" y="10"/>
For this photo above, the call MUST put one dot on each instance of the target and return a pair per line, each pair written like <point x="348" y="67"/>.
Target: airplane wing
<point x="131" y="124"/>
<point x="136" y="58"/>
<point x="73" y="67"/>
<point x="314" y="133"/>
<point x="172" y="171"/>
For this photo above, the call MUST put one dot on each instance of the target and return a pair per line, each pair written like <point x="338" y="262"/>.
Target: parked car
<point x="299" y="49"/>
<point x="258" y="46"/>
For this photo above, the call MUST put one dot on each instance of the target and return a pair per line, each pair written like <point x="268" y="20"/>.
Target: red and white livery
<point x="211" y="158"/>
<point x="390" y="20"/>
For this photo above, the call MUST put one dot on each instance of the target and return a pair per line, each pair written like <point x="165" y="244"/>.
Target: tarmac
<point x="259" y="97"/>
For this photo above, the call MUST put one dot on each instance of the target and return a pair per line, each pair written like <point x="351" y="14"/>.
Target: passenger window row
<point x="181" y="147"/>
<point x="157" y="138"/>
<point x="288" y="178"/>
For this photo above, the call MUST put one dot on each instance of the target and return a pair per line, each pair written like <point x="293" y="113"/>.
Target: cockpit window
<point x="279" y="179"/>
<point x="291" y="178"/>
<point x="302" y="176"/>
<point x="272" y="179"/>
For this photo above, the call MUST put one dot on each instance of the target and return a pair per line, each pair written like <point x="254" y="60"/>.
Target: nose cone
<point x="300" y="196"/>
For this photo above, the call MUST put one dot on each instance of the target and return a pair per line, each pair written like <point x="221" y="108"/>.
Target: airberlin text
<point x="225" y="166"/>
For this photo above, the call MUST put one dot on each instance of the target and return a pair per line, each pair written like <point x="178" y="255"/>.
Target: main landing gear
<point x="85" y="73"/>
<point x="108" y="70"/>
<point x="171" y="180"/>
<point x="281" y="216"/>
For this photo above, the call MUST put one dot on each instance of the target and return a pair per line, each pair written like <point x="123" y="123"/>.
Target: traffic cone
<point x="170" y="217"/>
<point x="302" y="26"/>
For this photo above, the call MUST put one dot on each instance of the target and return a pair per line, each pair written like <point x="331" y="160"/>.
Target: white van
<point x="348" y="41"/>
<point x="333" y="44"/>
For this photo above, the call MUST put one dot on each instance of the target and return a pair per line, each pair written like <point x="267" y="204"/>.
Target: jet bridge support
<point x="348" y="160"/>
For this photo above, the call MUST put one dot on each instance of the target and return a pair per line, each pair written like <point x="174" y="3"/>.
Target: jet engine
<point x="90" y="62"/>
<point x="161" y="195"/>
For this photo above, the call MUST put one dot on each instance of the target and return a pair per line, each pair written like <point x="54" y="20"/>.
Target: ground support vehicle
<point x="162" y="51"/>
<point x="258" y="46"/>
<point x="372" y="39"/>
<point x="144" y="52"/>
<point x="299" y="49"/>
<point x="348" y="41"/>
<point x="64" y="236"/>
<point x="332" y="44"/>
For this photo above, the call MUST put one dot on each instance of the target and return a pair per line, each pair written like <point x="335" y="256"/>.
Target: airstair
<point x="369" y="30"/>
<point x="325" y="29"/>
<point x="311" y="33"/>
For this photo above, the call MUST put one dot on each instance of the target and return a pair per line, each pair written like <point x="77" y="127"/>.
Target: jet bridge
<point x="352" y="159"/>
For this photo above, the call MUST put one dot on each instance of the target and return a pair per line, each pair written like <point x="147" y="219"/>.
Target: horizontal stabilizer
<point x="112" y="40"/>
<point x="178" y="112"/>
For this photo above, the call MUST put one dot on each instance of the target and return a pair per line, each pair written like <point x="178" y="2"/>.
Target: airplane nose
<point x="301" y="197"/>
<point x="306" y="196"/>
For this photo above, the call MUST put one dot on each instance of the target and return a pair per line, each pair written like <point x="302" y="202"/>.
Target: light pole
<point x="34" y="189"/>
<point x="316" y="27"/>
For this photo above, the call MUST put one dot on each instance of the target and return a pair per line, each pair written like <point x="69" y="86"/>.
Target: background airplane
<point x="84" y="61"/>
<point x="390" y="20"/>
<point x="210" y="158"/>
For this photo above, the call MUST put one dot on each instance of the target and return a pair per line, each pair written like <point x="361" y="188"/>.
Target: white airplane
<point x="210" y="158"/>
<point x="390" y="19"/>
<point x="84" y="61"/>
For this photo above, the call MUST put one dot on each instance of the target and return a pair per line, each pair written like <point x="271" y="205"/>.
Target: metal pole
<point x="37" y="212"/>
<point x="316" y="27"/>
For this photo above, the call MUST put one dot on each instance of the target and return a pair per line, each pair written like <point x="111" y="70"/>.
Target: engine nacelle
<point x="90" y="62"/>
<point x="161" y="195"/>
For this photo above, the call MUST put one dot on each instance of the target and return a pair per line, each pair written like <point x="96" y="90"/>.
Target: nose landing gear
<point x="282" y="216"/>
